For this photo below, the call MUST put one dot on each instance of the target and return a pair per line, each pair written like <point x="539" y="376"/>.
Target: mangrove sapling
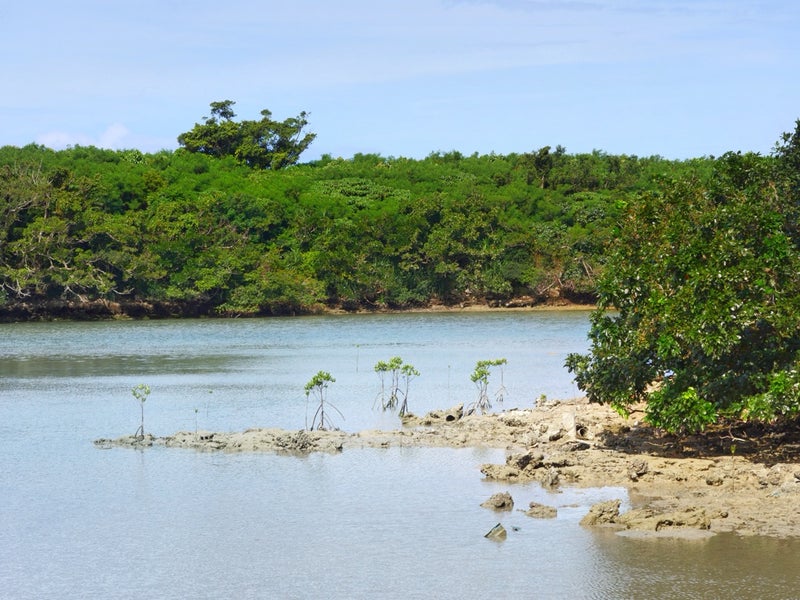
<point x="317" y="387"/>
<point x="500" y="394"/>
<point x="480" y="377"/>
<point x="389" y="398"/>
<point x="140" y="393"/>
<point x="400" y="375"/>
<point x="407" y="373"/>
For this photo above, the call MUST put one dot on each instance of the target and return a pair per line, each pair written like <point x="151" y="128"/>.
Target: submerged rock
<point x="498" y="532"/>
<point x="541" y="511"/>
<point x="130" y="441"/>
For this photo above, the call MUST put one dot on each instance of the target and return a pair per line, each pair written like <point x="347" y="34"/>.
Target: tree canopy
<point x="194" y="233"/>
<point x="263" y="143"/>
<point x="698" y="304"/>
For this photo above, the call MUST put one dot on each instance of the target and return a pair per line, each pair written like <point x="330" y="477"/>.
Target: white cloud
<point x="114" y="137"/>
<point x="62" y="139"/>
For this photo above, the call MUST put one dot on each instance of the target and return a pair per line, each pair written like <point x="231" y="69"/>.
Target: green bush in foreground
<point x="699" y="302"/>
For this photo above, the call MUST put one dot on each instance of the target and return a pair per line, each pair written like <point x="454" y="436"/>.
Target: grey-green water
<point x="80" y="522"/>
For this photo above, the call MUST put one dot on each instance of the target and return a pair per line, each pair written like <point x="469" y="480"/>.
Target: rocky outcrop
<point x="602" y="513"/>
<point x="500" y="502"/>
<point x="646" y="519"/>
<point x="650" y="519"/>
<point x="570" y="443"/>
<point x="541" y="511"/>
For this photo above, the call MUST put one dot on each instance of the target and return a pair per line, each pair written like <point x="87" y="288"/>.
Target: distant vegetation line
<point x="189" y="233"/>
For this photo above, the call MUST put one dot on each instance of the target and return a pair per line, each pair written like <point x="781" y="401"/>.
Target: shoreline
<point x="104" y="310"/>
<point x="674" y="489"/>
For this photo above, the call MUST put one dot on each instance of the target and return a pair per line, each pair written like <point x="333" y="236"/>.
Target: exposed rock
<point x="648" y="519"/>
<point x="574" y="446"/>
<point x="501" y="472"/>
<point x="602" y="513"/>
<point x="550" y="477"/>
<point x="131" y="441"/>
<point x="568" y="424"/>
<point x="559" y="459"/>
<point x="435" y="417"/>
<point x="637" y="468"/>
<point x="541" y="511"/>
<point x="527" y="460"/>
<point x="499" y="501"/>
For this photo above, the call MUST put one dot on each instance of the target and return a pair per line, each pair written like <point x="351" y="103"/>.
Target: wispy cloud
<point x="577" y="65"/>
<point x="114" y="137"/>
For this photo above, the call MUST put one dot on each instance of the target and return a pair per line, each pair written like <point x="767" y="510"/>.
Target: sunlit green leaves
<point x="704" y="283"/>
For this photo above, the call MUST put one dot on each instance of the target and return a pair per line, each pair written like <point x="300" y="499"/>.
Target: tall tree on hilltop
<point x="261" y="144"/>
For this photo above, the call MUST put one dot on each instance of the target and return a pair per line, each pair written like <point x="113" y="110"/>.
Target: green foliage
<point x="140" y="394"/>
<point x="262" y="144"/>
<point x="680" y="412"/>
<point x="317" y="386"/>
<point x="480" y="377"/>
<point x="698" y="304"/>
<point x="400" y="376"/>
<point x="201" y="232"/>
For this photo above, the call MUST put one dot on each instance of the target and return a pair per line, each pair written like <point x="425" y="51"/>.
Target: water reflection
<point x="720" y="566"/>
<point x="67" y="366"/>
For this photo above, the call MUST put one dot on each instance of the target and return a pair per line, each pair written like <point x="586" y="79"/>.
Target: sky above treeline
<point x="405" y="78"/>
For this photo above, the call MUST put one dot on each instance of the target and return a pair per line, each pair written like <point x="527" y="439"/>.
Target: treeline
<point x="187" y="233"/>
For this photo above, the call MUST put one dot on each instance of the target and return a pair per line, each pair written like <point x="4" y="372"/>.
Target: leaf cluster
<point x="262" y="144"/>
<point x="698" y="304"/>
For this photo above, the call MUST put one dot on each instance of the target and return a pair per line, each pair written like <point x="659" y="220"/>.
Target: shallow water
<point x="77" y="521"/>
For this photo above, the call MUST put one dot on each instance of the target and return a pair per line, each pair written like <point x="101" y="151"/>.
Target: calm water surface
<point x="80" y="522"/>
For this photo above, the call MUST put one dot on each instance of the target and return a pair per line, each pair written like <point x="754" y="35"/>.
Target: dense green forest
<point x="188" y="232"/>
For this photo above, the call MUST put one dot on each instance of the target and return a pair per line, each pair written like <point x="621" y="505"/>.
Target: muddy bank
<point x="103" y="310"/>
<point x="723" y="483"/>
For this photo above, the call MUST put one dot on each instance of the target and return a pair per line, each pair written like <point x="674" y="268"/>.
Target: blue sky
<point x="679" y="78"/>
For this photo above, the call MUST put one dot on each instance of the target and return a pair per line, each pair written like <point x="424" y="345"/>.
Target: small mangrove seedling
<point x="317" y="387"/>
<point x="140" y="393"/>
<point x="400" y="376"/>
<point x="407" y="373"/>
<point x="389" y="398"/>
<point x="500" y="394"/>
<point x="480" y="377"/>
